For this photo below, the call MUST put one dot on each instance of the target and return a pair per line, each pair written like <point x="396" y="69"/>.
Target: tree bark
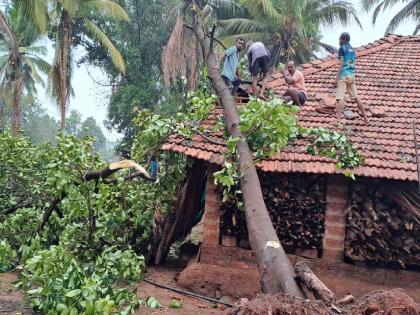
<point x="313" y="283"/>
<point x="64" y="51"/>
<point x="276" y="271"/>
<point x="13" y="42"/>
<point x="17" y="94"/>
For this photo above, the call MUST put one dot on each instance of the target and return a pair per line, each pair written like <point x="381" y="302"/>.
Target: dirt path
<point x="10" y="297"/>
<point x="166" y="276"/>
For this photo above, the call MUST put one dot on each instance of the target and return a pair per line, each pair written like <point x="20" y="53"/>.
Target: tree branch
<point x="208" y="35"/>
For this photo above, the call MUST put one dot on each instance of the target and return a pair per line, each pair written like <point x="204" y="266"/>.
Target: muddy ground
<point x="391" y="302"/>
<point x="11" y="299"/>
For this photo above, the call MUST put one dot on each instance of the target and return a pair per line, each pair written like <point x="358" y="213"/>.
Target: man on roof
<point x="345" y="79"/>
<point x="258" y="64"/>
<point x="230" y="60"/>
<point x="296" y="81"/>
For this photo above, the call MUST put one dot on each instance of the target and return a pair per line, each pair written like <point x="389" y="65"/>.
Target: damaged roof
<point x="388" y="83"/>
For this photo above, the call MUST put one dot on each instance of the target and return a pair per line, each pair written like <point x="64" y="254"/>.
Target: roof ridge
<point x="379" y="44"/>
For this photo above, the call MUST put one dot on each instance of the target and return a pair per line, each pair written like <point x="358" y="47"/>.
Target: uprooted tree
<point x="275" y="269"/>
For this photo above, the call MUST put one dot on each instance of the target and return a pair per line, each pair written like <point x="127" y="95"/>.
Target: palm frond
<point x="37" y="11"/>
<point x="42" y="65"/>
<point x="238" y="25"/>
<point x="367" y="5"/>
<point x="376" y="12"/>
<point x="226" y="9"/>
<point x="38" y="50"/>
<point x="417" y="29"/>
<point x="33" y="73"/>
<point x="337" y="12"/>
<point x="106" y="7"/>
<point x="261" y="8"/>
<point x="97" y="34"/>
<point x="173" y="58"/>
<point x="405" y="13"/>
<point x="329" y="48"/>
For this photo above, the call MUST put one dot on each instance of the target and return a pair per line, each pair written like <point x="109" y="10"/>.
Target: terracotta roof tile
<point x="388" y="81"/>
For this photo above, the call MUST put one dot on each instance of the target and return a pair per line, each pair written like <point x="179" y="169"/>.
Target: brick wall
<point x="211" y="222"/>
<point x="335" y="218"/>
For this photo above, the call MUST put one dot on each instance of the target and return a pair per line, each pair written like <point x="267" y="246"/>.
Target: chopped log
<point x="313" y="283"/>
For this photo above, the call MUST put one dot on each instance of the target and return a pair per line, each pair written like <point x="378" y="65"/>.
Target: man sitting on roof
<point x="345" y="79"/>
<point x="230" y="62"/>
<point x="296" y="81"/>
<point x="258" y="64"/>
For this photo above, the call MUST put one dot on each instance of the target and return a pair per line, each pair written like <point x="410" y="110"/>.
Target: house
<point x="367" y="231"/>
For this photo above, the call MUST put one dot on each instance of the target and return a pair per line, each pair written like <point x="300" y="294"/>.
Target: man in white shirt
<point x="259" y="65"/>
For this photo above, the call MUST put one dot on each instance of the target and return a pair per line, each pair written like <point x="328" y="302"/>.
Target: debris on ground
<point x="392" y="302"/>
<point x="280" y="304"/>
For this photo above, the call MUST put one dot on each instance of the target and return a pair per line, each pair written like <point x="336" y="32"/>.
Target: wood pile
<point x="382" y="227"/>
<point x="296" y="204"/>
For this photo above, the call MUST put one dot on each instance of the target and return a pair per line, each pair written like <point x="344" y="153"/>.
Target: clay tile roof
<point x="388" y="81"/>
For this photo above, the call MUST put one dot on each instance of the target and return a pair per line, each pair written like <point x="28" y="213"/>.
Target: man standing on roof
<point x="296" y="81"/>
<point x="230" y="62"/>
<point x="258" y="63"/>
<point x="345" y="79"/>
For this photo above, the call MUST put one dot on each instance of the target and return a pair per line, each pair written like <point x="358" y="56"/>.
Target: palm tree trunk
<point x="17" y="75"/>
<point x="17" y="94"/>
<point x="2" y="118"/>
<point x="64" y="51"/>
<point x="276" y="271"/>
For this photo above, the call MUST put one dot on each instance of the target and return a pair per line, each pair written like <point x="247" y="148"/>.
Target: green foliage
<point x="152" y="302"/>
<point x="333" y="145"/>
<point x="57" y="283"/>
<point x="268" y="125"/>
<point x="7" y="256"/>
<point x="68" y="265"/>
<point x="289" y="28"/>
<point x="141" y="44"/>
<point x="175" y="304"/>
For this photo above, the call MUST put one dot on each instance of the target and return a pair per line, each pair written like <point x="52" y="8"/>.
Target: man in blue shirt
<point x="345" y="79"/>
<point x="230" y="62"/>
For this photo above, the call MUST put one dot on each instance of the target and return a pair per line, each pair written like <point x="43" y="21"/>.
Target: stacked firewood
<point x="296" y="205"/>
<point x="383" y="226"/>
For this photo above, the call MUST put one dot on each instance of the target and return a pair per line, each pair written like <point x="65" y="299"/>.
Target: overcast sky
<point x="91" y="99"/>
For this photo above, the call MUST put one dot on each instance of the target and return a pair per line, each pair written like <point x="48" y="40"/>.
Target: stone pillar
<point x="335" y="218"/>
<point x="211" y="221"/>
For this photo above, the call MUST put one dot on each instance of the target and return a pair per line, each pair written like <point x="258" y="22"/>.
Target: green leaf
<point x="175" y="304"/>
<point x="73" y="293"/>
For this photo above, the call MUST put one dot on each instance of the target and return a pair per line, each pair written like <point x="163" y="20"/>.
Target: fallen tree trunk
<point x="276" y="271"/>
<point x="313" y="283"/>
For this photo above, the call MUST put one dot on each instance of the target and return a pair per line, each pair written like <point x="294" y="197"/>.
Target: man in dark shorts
<point x="230" y="62"/>
<point x="296" y="81"/>
<point x="258" y="63"/>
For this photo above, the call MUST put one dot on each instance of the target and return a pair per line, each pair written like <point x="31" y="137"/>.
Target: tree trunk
<point x="276" y="271"/>
<point x="17" y="93"/>
<point x="65" y="20"/>
<point x="13" y="42"/>
<point x="313" y="283"/>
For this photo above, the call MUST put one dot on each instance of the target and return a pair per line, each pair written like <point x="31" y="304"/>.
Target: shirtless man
<point x="296" y="81"/>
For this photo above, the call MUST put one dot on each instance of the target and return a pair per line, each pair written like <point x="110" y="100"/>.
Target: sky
<point x="91" y="99"/>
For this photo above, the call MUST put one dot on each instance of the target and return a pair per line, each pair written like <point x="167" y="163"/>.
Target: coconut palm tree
<point x="291" y="28"/>
<point x="411" y="11"/>
<point x="83" y="12"/>
<point x="20" y="60"/>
